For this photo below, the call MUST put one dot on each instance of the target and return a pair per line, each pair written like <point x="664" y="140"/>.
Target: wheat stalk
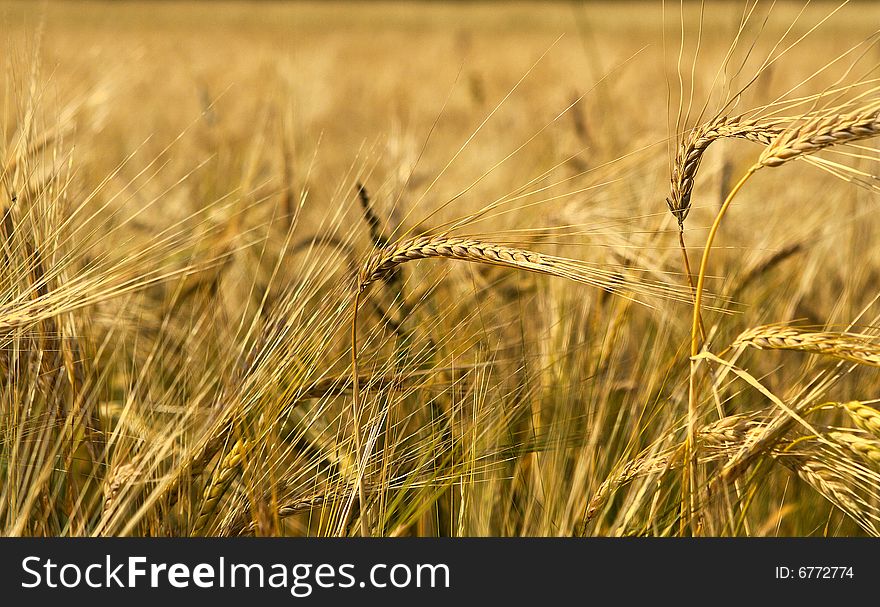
<point x="844" y="346"/>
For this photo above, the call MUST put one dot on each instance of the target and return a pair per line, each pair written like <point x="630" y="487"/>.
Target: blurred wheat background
<point x="283" y="268"/>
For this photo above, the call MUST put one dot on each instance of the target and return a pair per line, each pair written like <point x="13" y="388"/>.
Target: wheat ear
<point x="865" y="417"/>
<point x="114" y="484"/>
<point x="844" y="346"/>
<point x="869" y="448"/>
<point x="824" y="480"/>
<point x="726" y="434"/>
<point x="219" y="483"/>
<point x="385" y="261"/>
<point x="690" y="155"/>
<point x="823" y="132"/>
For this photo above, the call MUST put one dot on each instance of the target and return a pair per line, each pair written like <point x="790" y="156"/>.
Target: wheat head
<point x="690" y="155"/>
<point x="822" y="132"/>
<point x="869" y="448"/>
<point x="219" y="483"/>
<point x="865" y="417"/>
<point x="844" y="346"/>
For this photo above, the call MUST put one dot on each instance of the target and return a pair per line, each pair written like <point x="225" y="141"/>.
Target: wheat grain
<point x="730" y="429"/>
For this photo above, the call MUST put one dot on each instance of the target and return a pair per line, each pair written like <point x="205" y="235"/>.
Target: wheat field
<point x="440" y="269"/>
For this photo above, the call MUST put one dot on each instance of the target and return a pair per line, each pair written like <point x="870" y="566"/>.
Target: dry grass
<point x="210" y="324"/>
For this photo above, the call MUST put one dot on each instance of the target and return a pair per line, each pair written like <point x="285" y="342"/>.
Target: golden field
<point x="283" y="268"/>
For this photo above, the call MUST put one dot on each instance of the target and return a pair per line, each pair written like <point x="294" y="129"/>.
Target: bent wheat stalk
<point x="812" y="136"/>
<point x="808" y="138"/>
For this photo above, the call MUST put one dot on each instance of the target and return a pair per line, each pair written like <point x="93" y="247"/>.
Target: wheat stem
<point x="691" y="448"/>
<point x="356" y="411"/>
